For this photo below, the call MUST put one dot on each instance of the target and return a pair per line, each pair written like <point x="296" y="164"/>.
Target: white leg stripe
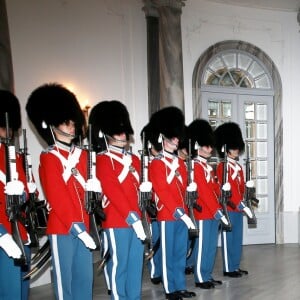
<point x="57" y="267"/>
<point x="225" y="251"/>
<point x="199" y="255"/>
<point x="115" y="263"/>
<point x="106" y="275"/>
<point x="163" y="252"/>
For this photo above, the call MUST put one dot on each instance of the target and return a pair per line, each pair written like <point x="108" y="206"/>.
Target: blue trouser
<point x="190" y="261"/>
<point x="154" y="264"/>
<point x="232" y="243"/>
<point x="126" y="269"/>
<point x="12" y="286"/>
<point x="205" y="249"/>
<point x="72" y="268"/>
<point x="174" y="235"/>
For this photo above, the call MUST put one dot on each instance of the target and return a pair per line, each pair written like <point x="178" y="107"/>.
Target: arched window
<point x="236" y="69"/>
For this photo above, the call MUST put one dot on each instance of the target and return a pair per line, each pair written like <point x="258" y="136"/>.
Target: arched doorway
<point x="237" y="81"/>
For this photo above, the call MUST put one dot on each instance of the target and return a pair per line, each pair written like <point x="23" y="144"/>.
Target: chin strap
<point x="63" y="133"/>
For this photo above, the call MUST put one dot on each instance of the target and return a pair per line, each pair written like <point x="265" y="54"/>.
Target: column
<point x="170" y="53"/>
<point x="6" y="69"/>
<point x="170" y="85"/>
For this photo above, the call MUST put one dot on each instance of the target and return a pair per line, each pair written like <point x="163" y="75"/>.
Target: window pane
<point x="262" y="186"/>
<point x="261" y="110"/>
<point x="250" y="130"/>
<point x="262" y="168"/>
<point x="261" y="149"/>
<point x="246" y="83"/>
<point x="212" y="109"/>
<point x="243" y="61"/>
<point x="253" y="170"/>
<point x="256" y="70"/>
<point x="252" y="149"/>
<point x="230" y="60"/>
<point x="226" y="109"/>
<point x="262" y="132"/>
<point x="227" y="80"/>
<point x="249" y="111"/>
<point x="216" y="64"/>
<point x="262" y="82"/>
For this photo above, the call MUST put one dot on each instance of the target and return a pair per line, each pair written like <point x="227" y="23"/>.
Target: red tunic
<point x="236" y="180"/>
<point x="3" y="216"/>
<point x="208" y="190"/>
<point x="121" y="198"/>
<point x="66" y="199"/>
<point x="169" y="195"/>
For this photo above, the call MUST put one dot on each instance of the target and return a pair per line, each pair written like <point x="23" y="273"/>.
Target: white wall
<point x="277" y="34"/>
<point x="99" y="48"/>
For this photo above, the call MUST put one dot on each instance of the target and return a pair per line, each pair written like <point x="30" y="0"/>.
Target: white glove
<point x="15" y="187"/>
<point x="226" y="187"/>
<point x="192" y="187"/>
<point x="28" y="239"/>
<point x="93" y="185"/>
<point x="248" y="212"/>
<point x="188" y="222"/>
<point x="48" y="207"/>
<point x="146" y="187"/>
<point x="87" y="240"/>
<point x="9" y="246"/>
<point x="224" y="220"/>
<point x="139" y="230"/>
<point x="250" y="184"/>
<point x="31" y="187"/>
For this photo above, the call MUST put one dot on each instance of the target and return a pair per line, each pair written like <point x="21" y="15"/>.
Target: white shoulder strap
<point x="69" y="165"/>
<point x="126" y="161"/>
<point x="173" y="166"/>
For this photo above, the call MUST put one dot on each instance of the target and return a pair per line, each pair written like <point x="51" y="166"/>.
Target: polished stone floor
<point x="274" y="273"/>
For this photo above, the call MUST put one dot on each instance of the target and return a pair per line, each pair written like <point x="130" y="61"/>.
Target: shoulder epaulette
<point x="48" y="149"/>
<point x="158" y="156"/>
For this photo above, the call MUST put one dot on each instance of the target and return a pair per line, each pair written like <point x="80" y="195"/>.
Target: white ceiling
<point x="284" y="5"/>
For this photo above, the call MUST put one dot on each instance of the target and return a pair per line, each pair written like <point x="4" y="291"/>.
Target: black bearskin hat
<point x="201" y="132"/>
<point x="10" y="104"/>
<point x="51" y="105"/>
<point x="230" y="134"/>
<point x="169" y="122"/>
<point x="109" y="117"/>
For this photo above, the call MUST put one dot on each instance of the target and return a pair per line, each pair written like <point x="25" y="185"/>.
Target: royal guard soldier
<point x="60" y="122"/>
<point x="229" y="134"/>
<point x="154" y="264"/>
<point x="201" y="137"/>
<point x="119" y="173"/>
<point x="168" y="175"/>
<point x="14" y="239"/>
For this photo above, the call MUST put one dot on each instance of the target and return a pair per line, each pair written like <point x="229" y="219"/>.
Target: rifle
<point x="145" y="199"/>
<point x="225" y="195"/>
<point x="250" y="193"/>
<point x="13" y="202"/>
<point x="191" y="197"/>
<point x="191" y="201"/>
<point x="35" y="210"/>
<point x="93" y="200"/>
